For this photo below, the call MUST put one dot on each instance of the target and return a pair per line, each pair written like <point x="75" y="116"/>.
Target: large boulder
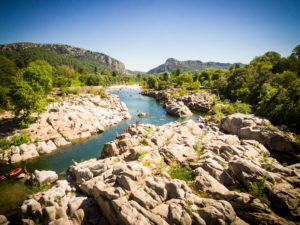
<point x="200" y="102"/>
<point x="178" y="109"/>
<point x="43" y="177"/>
<point x="252" y="127"/>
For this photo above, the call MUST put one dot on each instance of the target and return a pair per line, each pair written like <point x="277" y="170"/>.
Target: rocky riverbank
<point x="123" y="87"/>
<point x="181" y="106"/>
<point x="178" y="173"/>
<point x="75" y="118"/>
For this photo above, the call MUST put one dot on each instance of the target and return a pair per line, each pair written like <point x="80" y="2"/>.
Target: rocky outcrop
<point x="180" y="173"/>
<point x="76" y="118"/>
<point x="199" y="102"/>
<point x="43" y="177"/>
<point x="252" y="127"/>
<point x="178" y="109"/>
<point x="61" y="205"/>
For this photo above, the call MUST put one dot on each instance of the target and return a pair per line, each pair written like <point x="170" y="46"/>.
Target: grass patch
<point x="256" y="189"/>
<point x="271" y="127"/>
<point x="143" y="142"/>
<point x="183" y="173"/>
<point x="142" y="154"/>
<point x="268" y="167"/>
<point x="221" y="163"/>
<point x="147" y="163"/>
<point x="37" y="188"/>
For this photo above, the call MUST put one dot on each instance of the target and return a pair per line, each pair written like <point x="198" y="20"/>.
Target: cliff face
<point x="189" y="65"/>
<point x="74" y="52"/>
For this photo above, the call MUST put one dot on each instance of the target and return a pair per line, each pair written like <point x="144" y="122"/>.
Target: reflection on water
<point x="13" y="192"/>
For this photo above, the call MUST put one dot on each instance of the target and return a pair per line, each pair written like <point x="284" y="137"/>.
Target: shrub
<point x="76" y="91"/>
<point x="242" y="107"/>
<point x="256" y="189"/>
<point x="4" y="143"/>
<point x="20" y="139"/>
<point x="25" y="122"/>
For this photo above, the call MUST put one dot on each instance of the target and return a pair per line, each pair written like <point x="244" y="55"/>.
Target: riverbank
<point x="182" y="105"/>
<point x="177" y="173"/>
<point x="123" y="87"/>
<point x="75" y="118"/>
<point x="13" y="192"/>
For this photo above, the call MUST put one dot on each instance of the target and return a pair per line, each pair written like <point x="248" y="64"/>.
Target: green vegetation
<point x="190" y="65"/>
<point x="27" y="75"/>
<point x="142" y="154"/>
<point x="256" y="189"/>
<point x="183" y="173"/>
<point x="16" y="140"/>
<point x="269" y="86"/>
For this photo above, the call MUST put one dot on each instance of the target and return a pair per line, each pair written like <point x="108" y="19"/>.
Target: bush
<point x="256" y="189"/>
<point x="4" y="143"/>
<point x="25" y="122"/>
<point x="20" y="139"/>
<point x="75" y="91"/>
<point x="15" y="140"/>
<point x="242" y="107"/>
<point x="183" y="173"/>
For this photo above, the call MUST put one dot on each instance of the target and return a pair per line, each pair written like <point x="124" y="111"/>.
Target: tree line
<point x="269" y="83"/>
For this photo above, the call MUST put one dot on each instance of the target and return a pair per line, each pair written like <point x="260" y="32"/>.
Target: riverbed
<point x="14" y="192"/>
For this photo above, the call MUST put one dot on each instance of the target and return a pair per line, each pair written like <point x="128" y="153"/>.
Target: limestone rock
<point x="43" y="177"/>
<point x="178" y="109"/>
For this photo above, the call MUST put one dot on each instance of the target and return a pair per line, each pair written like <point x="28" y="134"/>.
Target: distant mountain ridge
<point x="189" y="65"/>
<point x="70" y="51"/>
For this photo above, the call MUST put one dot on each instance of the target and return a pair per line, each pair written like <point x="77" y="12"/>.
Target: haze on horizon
<point x="143" y="34"/>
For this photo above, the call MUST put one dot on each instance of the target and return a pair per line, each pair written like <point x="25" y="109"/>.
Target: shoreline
<point x="63" y="123"/>
<point x="124" y="87"/>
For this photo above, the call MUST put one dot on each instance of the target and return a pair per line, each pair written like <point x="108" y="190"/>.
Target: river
<point x="13" y="192"/>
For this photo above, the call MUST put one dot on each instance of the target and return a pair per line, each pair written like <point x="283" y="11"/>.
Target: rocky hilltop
<point x="74" y="52"/>
<point x="63" y="122"/>
<point x="178" y="173"/>
<point x="189" y="65"/>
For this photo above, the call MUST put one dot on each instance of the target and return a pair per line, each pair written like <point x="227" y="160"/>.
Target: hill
<point x="189" y="65"/>
<point x="60" y="54"/>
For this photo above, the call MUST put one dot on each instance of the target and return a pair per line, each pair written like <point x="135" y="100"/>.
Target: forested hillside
<point x="27" y="75"/>
<point x="270" y="84"/>
<point x="58" y="54"/>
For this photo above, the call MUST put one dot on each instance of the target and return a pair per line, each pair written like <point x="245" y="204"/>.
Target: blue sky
<point x="144" y="33"/>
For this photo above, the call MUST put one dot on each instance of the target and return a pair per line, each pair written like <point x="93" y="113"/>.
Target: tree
<point x="153" y="82"/>
<point x="184" y="78"/>
<point x="25" y="99"/>
<point x="39" y="76"/>
<point x="66" y="71"/>
<point x="8" y="76"/>
<point x="177" y="72"/>
<point x="166" y="76"/>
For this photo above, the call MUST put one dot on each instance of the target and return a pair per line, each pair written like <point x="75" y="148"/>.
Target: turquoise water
<point x="13" y="192"/>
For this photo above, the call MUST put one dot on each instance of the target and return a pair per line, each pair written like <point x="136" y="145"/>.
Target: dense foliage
<point x="269" y="83"/>
<point x="28" y="75"/>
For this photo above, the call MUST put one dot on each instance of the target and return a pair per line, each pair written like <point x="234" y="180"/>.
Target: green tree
<point x="25" y="99"/>
<point x="153" y="82"/>
<point x="38" y="74"/>
<point x="8" y="76"/>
